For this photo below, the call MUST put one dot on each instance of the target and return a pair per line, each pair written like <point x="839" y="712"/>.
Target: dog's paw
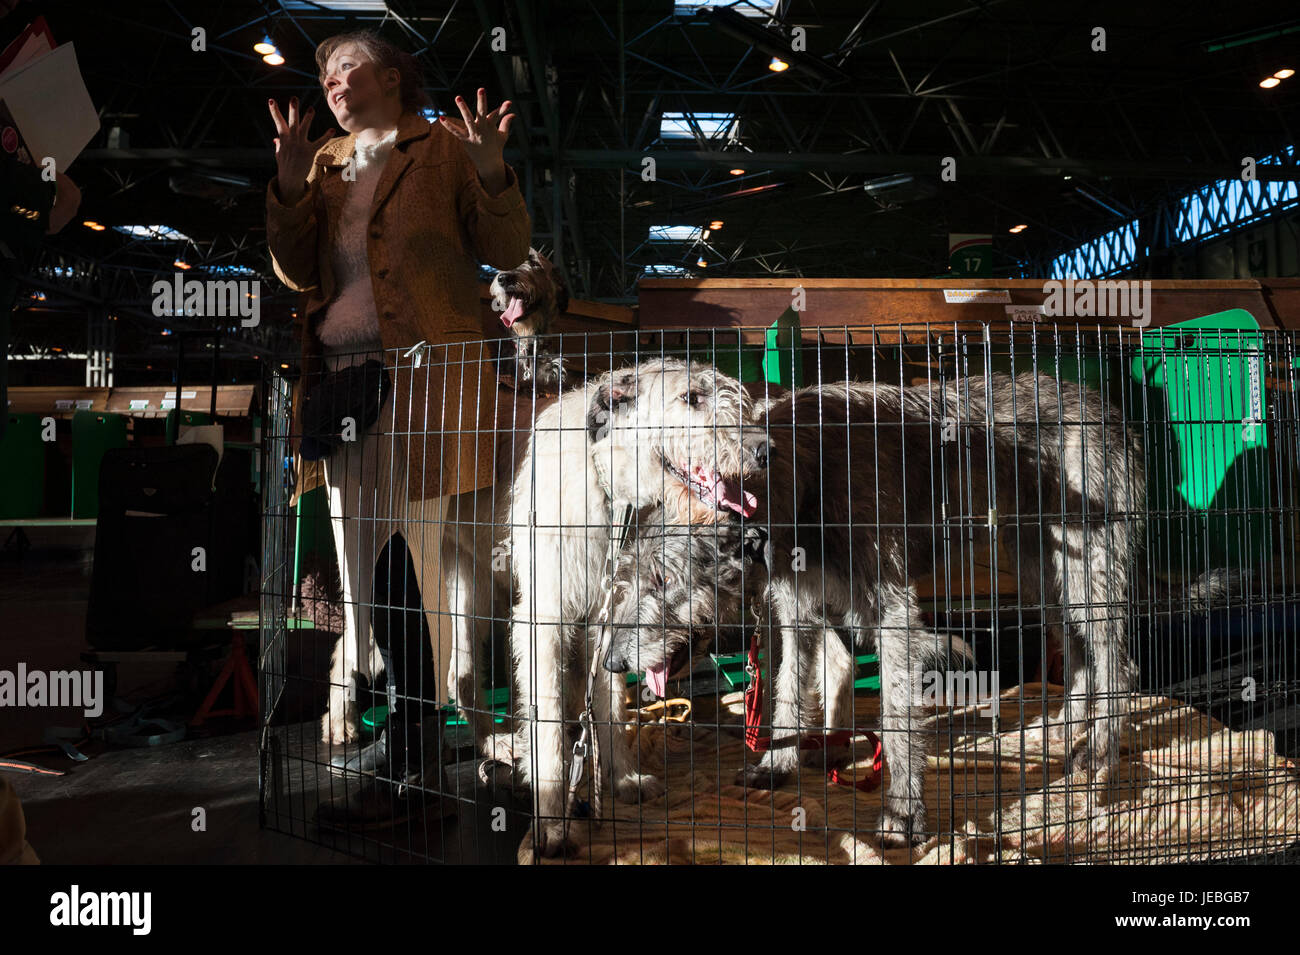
<point x="1056" y="729"/>
<point x="899" y="830"/>
<point x="1087" y="757"/>
<point x="546" y="842"/>
<point x="639" y="787"/>
<point x="761" y="776"/>
<point x="503" y="747"/>
<point x="338" y="726"/>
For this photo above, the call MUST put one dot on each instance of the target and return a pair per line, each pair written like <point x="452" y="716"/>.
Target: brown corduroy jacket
<point x="431" y="221"/>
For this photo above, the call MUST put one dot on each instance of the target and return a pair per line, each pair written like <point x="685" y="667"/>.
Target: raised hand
<point x="484" y="134"/>
<point x="294" y="152"/>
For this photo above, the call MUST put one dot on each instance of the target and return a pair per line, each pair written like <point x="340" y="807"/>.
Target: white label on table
<point x="969" y="296"/>
<point x="184" y="395"/>
<point x="85" y="404"/>
<point x="1025" y="313"/>
<point x="63" y="404"/>
<point x="139" y="404"/>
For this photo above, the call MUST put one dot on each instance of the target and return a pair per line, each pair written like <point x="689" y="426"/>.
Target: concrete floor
<point x="121" y="805"/>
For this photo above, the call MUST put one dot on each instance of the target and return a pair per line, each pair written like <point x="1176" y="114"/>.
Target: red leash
<point x="760" y="744"/>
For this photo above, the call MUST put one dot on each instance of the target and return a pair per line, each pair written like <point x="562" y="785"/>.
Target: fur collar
<point x="410" y="126"/>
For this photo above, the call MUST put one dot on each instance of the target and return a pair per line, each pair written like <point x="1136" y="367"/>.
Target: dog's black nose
<point x="762" y="451"/>
<point x="615" y="662"/>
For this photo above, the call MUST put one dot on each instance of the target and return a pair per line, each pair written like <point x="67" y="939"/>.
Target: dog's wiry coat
<point x="859" y="489"/>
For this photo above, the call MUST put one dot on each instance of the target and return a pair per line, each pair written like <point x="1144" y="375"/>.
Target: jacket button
<point x="382" y="273"/>
<point x="388" y="314"/>
<point x="375" y="234"/>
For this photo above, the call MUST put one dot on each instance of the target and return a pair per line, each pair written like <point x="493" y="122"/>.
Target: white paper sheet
<point x="51" y="107"/>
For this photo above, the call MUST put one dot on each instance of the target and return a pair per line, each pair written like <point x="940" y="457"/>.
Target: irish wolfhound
<point x="863" y="483"/>
<point x="478" y="590"/>
<point x="679" y="591"/>
<point x="529" y="298"/>
<point x="647" y="435"/>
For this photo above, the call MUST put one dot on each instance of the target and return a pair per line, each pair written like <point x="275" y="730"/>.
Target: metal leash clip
<point x="581" y="750"/>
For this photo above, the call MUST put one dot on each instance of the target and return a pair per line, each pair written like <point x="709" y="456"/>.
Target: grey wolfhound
<point x="858" y="487"/>
<point x="647" y="435"/>
<point x="863" y="482"/>
<point x="677" y="591"/>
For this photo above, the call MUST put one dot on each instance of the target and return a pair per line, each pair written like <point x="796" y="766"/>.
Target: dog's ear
<point x="757" y="545"/>
<point x="605" y="399"/>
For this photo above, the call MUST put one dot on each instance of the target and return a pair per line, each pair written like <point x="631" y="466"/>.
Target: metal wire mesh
<point x="1050" y="569"/>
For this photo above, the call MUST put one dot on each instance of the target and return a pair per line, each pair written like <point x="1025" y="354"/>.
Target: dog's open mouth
<point x="723" y="493"/>
<point x="513" y="311"/>
<point x="657" y="677"/>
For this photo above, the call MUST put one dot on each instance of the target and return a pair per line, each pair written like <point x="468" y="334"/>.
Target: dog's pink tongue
<point x="657" y="679"/>
<point x="514" y="311"/>
<point x="727" y="493"/>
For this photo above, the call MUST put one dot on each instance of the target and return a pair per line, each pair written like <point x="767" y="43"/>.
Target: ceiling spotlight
<point x="778" y="65"/>
<point x="736" y="172"/>
<point x="706" y="234"/>
<point x="264" y="46"/>
<point x="702" y="262"/>
<point x="1067" y="177"/>
<point x="1269" y="82"/>
<point x="273" y="59"/>
<point x="1284" y="74"/>
<point x="1018" y="228"/>
<point x="89" y="224"/>
<point x="715" y="225"/>
<point x="181" y="264"/>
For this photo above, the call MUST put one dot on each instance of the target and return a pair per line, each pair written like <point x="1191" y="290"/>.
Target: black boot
<point x="366" y="761"/>
<point x="402" y="773"/>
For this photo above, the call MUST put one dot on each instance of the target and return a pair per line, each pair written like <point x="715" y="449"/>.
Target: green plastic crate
<point x="22" y="478"/>
<point x="783" y="351"/>
<point x="93" y="434"/>
<point x="1206" y="442"/>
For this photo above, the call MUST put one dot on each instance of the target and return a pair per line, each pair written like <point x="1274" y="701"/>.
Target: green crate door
<point x="783" y="351"/>
<point x="93" y="433"/>
<point x="22" y="477"/>
<point x="1206" y="443"/>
